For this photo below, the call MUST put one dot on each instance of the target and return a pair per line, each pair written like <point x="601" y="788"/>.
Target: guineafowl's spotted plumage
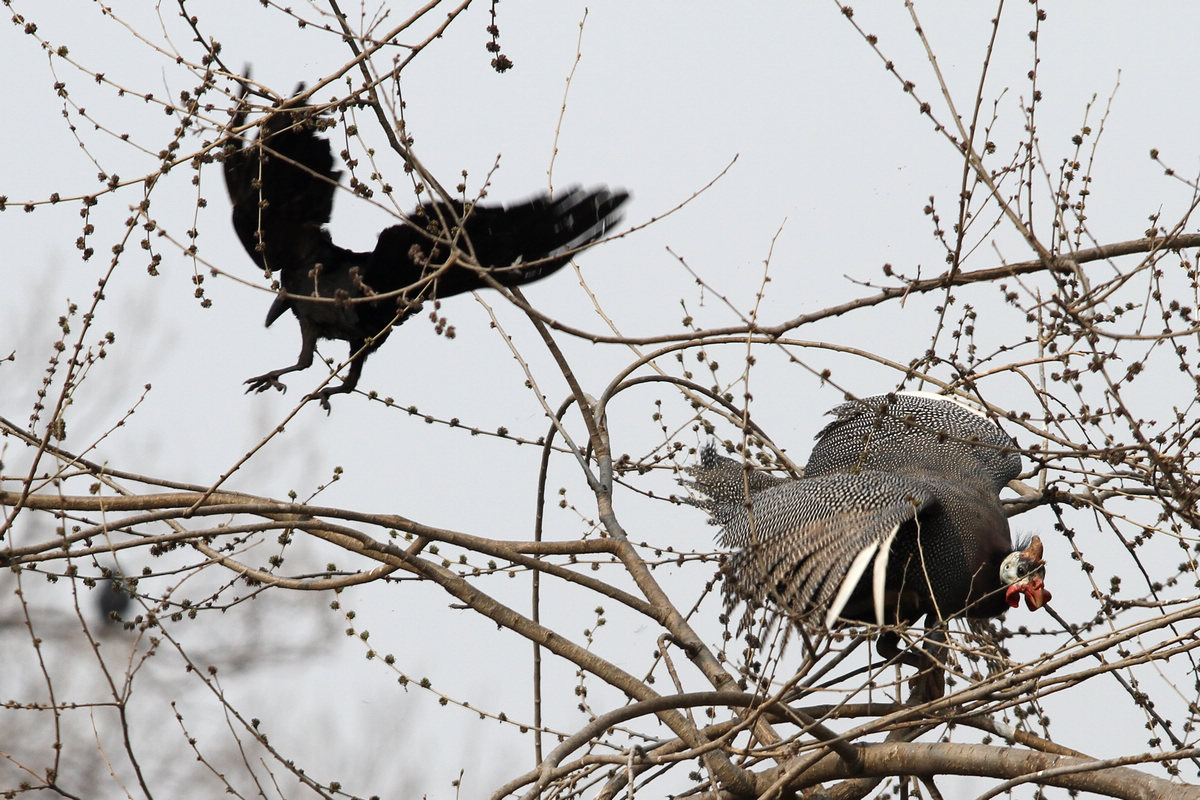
<point x="897" y="517"/>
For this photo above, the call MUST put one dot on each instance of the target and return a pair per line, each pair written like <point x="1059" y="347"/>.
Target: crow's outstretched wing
<point x="281" y="183"/>
<point x="516" y="244"/>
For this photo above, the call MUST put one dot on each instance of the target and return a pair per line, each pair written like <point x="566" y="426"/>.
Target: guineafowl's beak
<point x="1023" y="573"/>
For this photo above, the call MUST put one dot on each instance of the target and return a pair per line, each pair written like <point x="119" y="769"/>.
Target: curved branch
<point x="1063" y="263"/>
<point x="170" y="506"/>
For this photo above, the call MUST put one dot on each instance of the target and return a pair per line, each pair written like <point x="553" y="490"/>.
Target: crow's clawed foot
<point x="324" y="396"/>
<point x="264" y="382"/>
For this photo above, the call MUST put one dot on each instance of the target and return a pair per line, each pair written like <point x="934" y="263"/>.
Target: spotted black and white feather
<point x="897" y="516"/>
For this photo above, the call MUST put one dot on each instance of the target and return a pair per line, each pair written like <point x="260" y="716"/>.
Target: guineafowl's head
<point x="1023" y="573"/>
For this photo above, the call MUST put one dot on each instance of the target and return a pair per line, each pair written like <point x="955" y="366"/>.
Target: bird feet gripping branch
<point x="269" y="380"/>
<point x="323" y="396"/>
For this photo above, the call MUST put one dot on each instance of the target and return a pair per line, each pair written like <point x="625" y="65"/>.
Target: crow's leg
<point x="349" y="382"/>
<point x="270" y="380"/>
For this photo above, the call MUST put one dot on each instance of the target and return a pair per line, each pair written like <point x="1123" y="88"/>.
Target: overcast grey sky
<point x="829" y="168"/>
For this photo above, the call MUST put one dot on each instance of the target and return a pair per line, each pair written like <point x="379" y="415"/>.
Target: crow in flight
<point x="282" y="186"/>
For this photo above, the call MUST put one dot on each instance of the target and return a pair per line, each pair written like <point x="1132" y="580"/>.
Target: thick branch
<point x="937" y="758"/>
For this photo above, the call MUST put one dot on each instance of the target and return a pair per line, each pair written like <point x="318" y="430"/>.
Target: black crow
<point x="115" y="597"/>
<point x="282" y="186"/>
